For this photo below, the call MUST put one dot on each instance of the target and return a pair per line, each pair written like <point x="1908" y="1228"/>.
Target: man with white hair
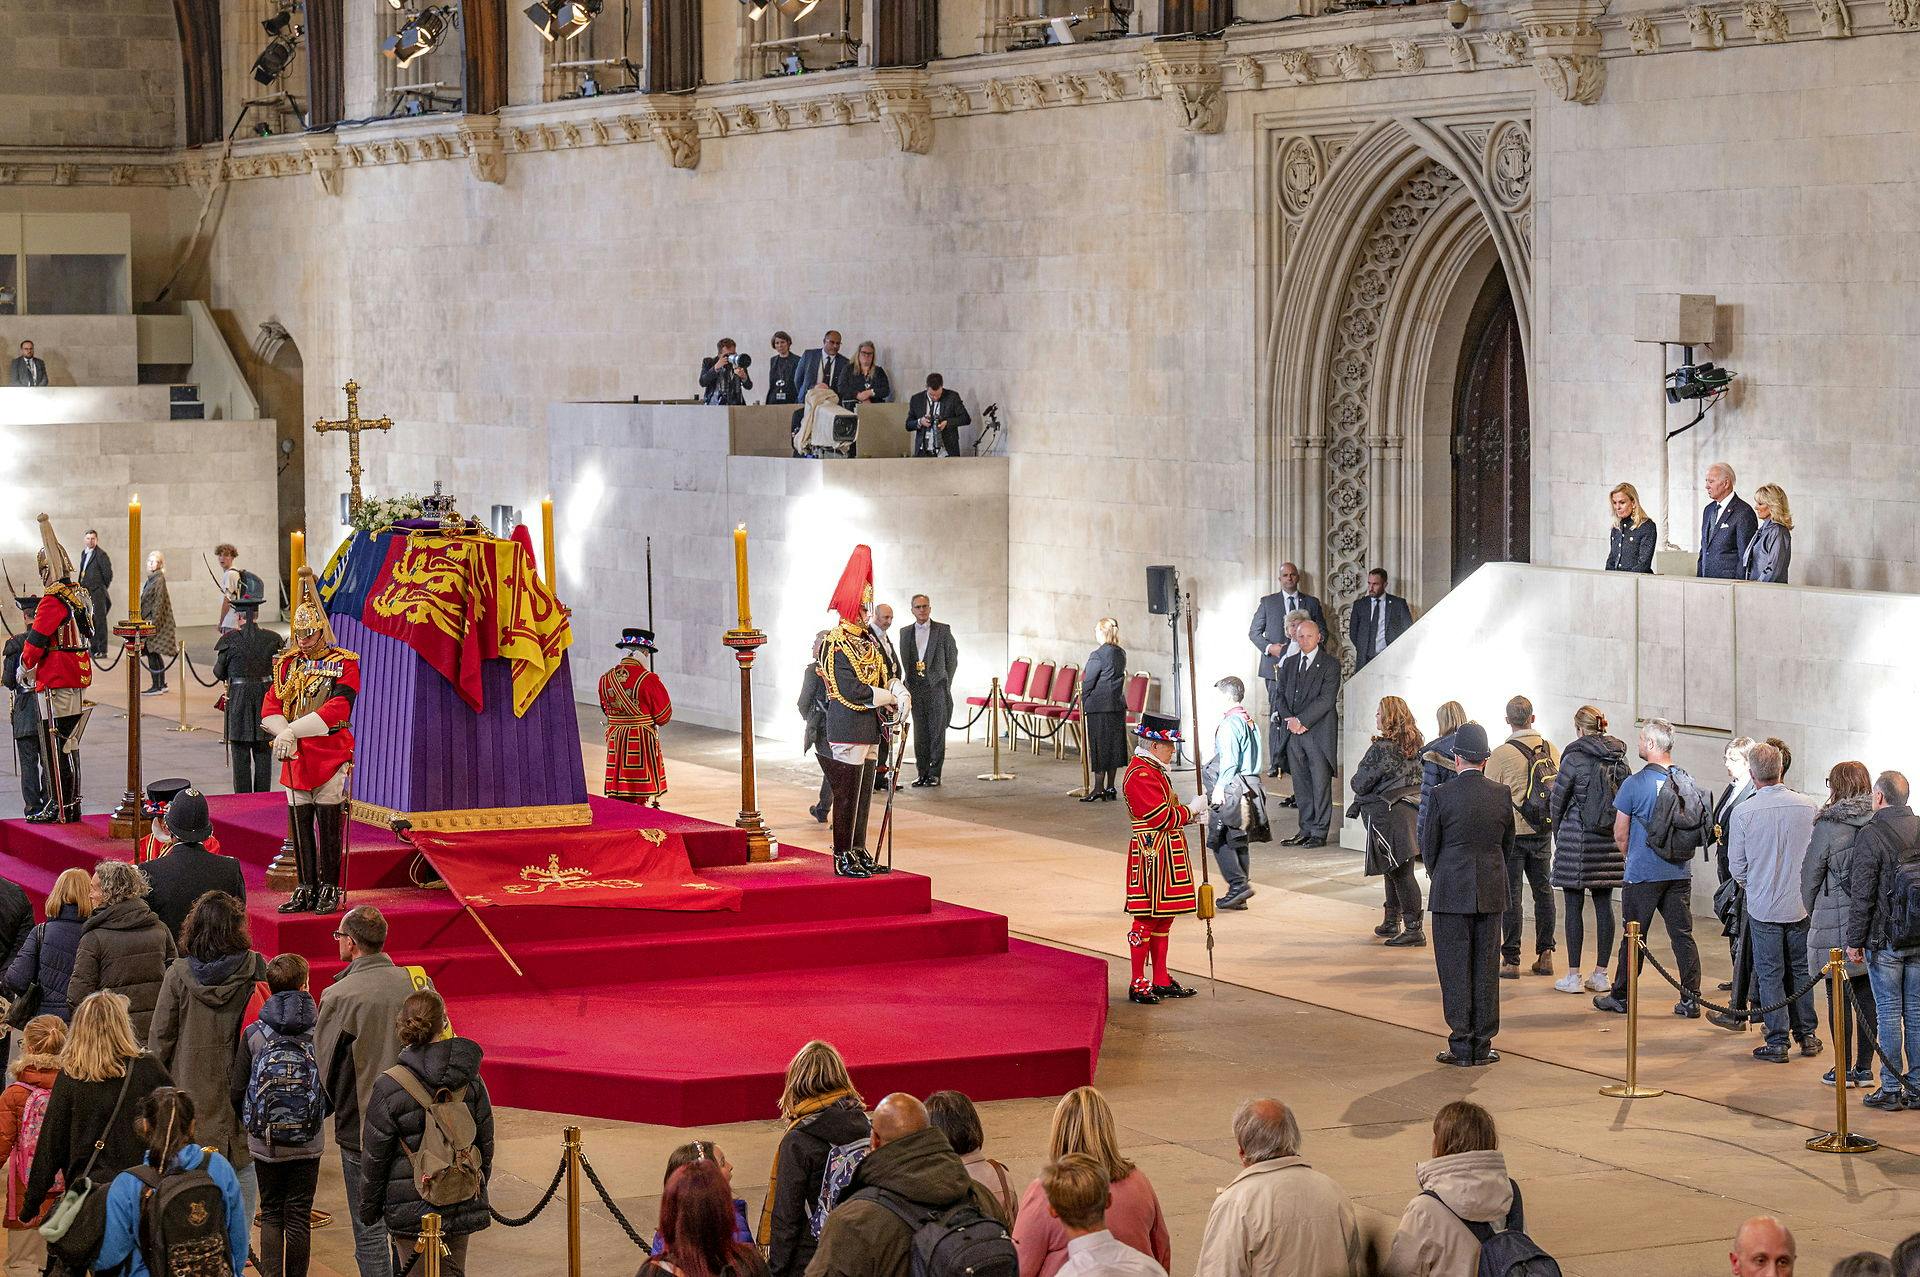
<point x="1768" y="845"/>
<point x="1763" y="1248"/>
<point x="1279" y="1217"/>
<point x="1653" y="883"/>
<point x="1726" y="525"/>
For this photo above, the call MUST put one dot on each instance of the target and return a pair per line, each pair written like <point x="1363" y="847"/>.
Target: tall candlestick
<point x="740" y="576"/>
<point x="546" y="543"/>
<point x="296" y="555"/>
<point x="133" y="553"/>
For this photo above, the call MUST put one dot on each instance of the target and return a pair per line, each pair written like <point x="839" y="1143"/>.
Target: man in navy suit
<point x="1726" y="526"/>
<point x="1309" y="688"/>
<point x="1378" y="619"/>
<point x="824" y="365"/>
<point x="1269" y="634"/>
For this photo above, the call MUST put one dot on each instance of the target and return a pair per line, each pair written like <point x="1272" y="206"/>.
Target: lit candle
<point x="740" y="575"/>
<point x="133" y="553"/>
<point x="546" y="542"/>
<point x="297" y="557"/>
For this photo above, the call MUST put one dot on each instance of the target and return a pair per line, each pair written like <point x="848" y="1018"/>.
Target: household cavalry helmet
<point x="309" y="614"/>
<point x="54" y="562"/>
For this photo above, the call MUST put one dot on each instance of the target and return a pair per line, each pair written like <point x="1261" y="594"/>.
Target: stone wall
<point x="89" y="75"/>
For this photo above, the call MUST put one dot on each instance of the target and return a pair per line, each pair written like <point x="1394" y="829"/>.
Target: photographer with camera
<point x="723" y="378"/>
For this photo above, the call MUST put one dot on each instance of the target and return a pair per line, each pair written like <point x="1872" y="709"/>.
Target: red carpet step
<point x="685" y="1018"/>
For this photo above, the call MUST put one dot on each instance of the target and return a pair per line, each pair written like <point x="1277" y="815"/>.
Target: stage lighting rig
<point x="563" y="19"/>
<point x="421" y="35"/>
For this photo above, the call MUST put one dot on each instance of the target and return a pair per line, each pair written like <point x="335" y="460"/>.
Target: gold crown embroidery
<point x="535" y="880"/>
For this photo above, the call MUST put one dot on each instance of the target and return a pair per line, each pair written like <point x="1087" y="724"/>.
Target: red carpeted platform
<point x="686" y="1018"/>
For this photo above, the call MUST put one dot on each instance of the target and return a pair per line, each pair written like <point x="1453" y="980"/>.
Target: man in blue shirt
<point x="1235" y="770"/>
<point x="1654" y="884"/>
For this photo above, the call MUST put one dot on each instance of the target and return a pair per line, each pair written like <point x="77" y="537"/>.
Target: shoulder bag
<point x="77" y="1224"/>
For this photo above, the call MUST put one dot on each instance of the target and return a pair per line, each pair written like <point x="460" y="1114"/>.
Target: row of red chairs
<point x="1048" y="693"/>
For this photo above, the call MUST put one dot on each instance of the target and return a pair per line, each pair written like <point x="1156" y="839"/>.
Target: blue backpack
<point x="1509" y="1252"/>
<point x="285" y="1102"/>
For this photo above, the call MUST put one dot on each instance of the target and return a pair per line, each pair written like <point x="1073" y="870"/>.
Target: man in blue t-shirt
<point x="1654" y="884"/>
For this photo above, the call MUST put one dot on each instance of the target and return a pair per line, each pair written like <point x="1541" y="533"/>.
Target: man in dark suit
<point x="935" y="416"/>
<point x="1726" y="525"/>
<point x="187" y="870"/>
<point x="27" y="370"/>
<point x="1465" y="844"/>
<point x="929" y="656"/>
<point x="96" y="574"/>
<point x="824" y="365"/>
<point x="813" y="739"/>
<point x="1378" y="619"/>
<point x="1268" y="633"/>
<point x="1309" y="683"/>
<point x="1729" y="903"/>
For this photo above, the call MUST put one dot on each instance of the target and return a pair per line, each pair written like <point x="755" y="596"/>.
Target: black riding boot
<point x="300" y="830"/>
<point x="332" y="821"/>
<point x="845" y="780"/>
<point x="863" y="798"/>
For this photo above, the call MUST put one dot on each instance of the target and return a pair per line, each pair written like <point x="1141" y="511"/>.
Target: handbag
<point x="24" y="1006"/>
<point x="1253" y="813"/>
<point x="77" y="1224"/>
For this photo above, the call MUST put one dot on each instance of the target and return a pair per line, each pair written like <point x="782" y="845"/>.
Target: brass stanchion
<point x="1080" y="733"/>
<point x="1839" y="1139"/>
<point x="430" y="1246"/>
<point x="995" y="703"/>
<point x="185" y="674"/>
<point x="1631" y="1088"/>
<point x="570" y="1141"/>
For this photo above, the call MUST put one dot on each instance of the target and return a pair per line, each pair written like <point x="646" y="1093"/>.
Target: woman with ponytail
<point x="165" y="1125"/>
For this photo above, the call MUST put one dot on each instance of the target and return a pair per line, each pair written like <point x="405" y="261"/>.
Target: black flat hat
<point x="635" y="639"/>
<point x="1160" y="727"/>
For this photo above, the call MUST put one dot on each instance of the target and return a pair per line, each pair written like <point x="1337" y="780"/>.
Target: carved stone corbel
<point x="323" y="161"/>
<point x="1186" y="74"/>
<point x="486" y="150"/>
<point x="898" y="96"/>
<point x="672" y="124"/>
<point x="1565" y="45"/>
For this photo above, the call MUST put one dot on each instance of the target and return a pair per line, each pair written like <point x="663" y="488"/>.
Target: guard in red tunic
<point x="308" y="710"/>
<point x="56" y="659"/>
<point x="636" y="703"/>
<point x="1160" y="881"/>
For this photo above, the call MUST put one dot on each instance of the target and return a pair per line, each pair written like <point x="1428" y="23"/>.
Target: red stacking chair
<point x="1019" y="708"/>
<point x="1139" y="687"/>
<point x="1014" y="684"/>
<point x="1062" y="710"/>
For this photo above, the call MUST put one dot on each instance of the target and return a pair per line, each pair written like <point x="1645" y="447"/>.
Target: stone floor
<point x="1307" y="1007"/>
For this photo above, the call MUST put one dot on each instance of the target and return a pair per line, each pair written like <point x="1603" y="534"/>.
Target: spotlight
<point x="796" y="9"/>
<point x="273" y="60"/>
<point x="420" y="36"/>
<point x="755" y="8"/>
<point x="563" y="19"/>
<point x="279" y="22"/>
<point x="1698" y="381"/>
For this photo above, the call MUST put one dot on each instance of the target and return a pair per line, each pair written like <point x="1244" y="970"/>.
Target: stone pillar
<point x="1186" y="74"/>
<point x="1565" y="45"/>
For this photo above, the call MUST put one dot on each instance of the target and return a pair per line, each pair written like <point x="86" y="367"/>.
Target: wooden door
<point x="1492" y="450"/>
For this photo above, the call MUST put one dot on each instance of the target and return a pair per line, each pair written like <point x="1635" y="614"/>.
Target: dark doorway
<point x="1492" y="444"/>
<point x="280" y="382"/>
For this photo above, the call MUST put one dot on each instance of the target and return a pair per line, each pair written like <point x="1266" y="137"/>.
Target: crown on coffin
<point x="439" y="505"/>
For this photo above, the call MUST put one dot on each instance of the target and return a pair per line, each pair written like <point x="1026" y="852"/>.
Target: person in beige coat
<point x="1279" y="1217"/>
<point x="1513" y="763"/>
<point x="1468" y="1179"/>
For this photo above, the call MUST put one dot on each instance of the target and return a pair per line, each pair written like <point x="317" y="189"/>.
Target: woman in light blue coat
<point x="1233" y="773"/>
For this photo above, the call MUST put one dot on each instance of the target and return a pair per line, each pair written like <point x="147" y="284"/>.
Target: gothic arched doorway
<point x="1492" y="442"/>
<point x="280" y="383"/>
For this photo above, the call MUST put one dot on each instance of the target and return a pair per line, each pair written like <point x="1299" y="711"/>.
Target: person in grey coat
<point x="1769" y="554"/>
<point x="124" y="945"/>
<point x="1827" y="889"/>
<point x="1103" y="711"/>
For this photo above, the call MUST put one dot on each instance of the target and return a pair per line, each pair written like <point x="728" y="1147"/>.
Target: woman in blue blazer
<point x="1771" y="549"/>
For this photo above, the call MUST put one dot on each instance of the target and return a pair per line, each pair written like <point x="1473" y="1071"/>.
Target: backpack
<point x="249" y="587"/>
<point x="1682" y="820"/>
<point x="285" y="1103"/>
<point x="1903" y="903"/>
<point x="1536" y="805"/>
<point x="183" y="1222"/>
<point x="1509" y="1252"/>
<point x="1596" y="805"/>
<point x="842" y="1161"/>
<point x="960" y="1241"/>
<point x="446" y="1170"/>
<point x="33" y="1114"/>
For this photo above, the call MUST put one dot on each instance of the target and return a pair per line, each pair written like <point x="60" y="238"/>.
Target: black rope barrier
<point x="978" y="714"/>
<point x="546" y="1198"/>
<point x="1751" y="1013"/>
<point x="101" y="667"/>
<point x="196" y="673"/>
<point x="606" y="1199"/>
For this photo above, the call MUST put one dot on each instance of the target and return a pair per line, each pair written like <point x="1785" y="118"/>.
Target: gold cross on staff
<point x="353" y="423"/>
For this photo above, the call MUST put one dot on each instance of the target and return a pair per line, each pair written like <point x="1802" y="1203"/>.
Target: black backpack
<point x="1903" y="900"/>
<point x="1509" y="1252"/>
<point x="960" y="1241"/>
<point x="250" y="586"/>
<point x="183" y="1222"/>
<point x="1682" y="820"/>
<point x="1536" y="805"/>
<point x="1596" y="805"/>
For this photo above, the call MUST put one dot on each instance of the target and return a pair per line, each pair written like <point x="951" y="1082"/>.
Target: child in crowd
<point x="705" y="1151"/>
<point x="276" y="1087"/>
<point x="195" y="1222"/>
<point x="22" y="1107"/>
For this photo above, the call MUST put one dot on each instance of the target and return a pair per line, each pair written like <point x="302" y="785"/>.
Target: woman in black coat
<point x="868" y="378"/>
<point x="1436" y="757"/>
<point x="823" y="1113"/>
<point x="783" y="372"/>
<point x="1386" y="788"/>
<point x="1634" y="537"/>
<point x="46" y="959"/>
<point x="1586" y="861"/>
<point x="1103" y="710"/>
<point x="395" y="1123"/>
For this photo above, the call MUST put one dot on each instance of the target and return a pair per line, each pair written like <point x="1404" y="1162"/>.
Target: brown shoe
<point x="1509" y="971"/>
<point x="1543" y="965"/>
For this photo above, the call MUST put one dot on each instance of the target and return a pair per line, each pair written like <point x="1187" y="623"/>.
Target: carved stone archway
<point x="1371" y="228"/>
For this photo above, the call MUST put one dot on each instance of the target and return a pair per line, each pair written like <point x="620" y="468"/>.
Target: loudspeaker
<point x="1162" y="590"/>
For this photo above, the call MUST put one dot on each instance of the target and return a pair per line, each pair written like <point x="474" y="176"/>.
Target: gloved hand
<point x="285" y="744"/>
<point x="883" y="698"/>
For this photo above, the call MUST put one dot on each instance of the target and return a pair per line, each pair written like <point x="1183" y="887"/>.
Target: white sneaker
<point x="1568" y="983"/>
<point x="1600" y="981"/>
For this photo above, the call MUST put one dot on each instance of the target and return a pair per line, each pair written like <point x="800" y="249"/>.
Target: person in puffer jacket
<point x="1468" y="1179"/>
<point x="395" y="1124"/>
<point x="1826" y="888"/>
<point x="288" y="1173"/>
<point x="1436" y="759"/>
<point x="47" y="956"/>
<point x="124" y="947"/>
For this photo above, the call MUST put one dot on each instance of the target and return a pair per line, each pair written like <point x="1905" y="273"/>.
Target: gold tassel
<point x="1205" y="911"/>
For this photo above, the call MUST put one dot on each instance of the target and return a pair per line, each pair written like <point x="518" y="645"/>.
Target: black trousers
<point x="1673" y="901"/>
<point x="286" y="1227"/>
<point x="1403" y="894"/>
<point x="1277" y="732"/>
<point x="1530" y="858"/>
<point x="252" y="765"/>
<point x="852" y="795"/>
<point x="822" y="757"/>
<point x="157" y="666"/>
<point x="1312" y="785"/>
<point x="102" y="630"/>
<point x="1466" y="953"/>
<point x="68" y="760"/>
<point x="26" y="752"/>
<point x="932" y="711"/>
